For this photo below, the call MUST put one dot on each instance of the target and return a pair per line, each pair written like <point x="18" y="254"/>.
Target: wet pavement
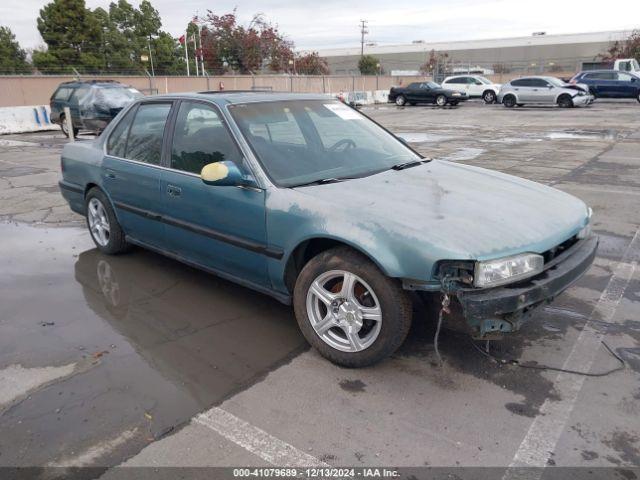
<point x="108" y="359"/>
<point x="150" y="341"/>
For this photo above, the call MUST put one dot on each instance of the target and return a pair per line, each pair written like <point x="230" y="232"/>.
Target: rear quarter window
<point x="117" y="142"/>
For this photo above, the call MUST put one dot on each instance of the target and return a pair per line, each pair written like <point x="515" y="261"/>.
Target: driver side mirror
<point x="224" y="174"/>
<point x="549" y="87"/>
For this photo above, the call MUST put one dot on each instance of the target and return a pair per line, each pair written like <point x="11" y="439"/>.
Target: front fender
<point x="293" y="219"/>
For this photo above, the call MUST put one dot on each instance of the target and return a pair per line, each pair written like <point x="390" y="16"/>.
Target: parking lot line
<point x="545" y="431"/>
<point x="256" y="440"/>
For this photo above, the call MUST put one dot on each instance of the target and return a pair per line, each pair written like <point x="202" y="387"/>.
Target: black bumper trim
<point x="70" y="187"/>
<point x="501" y="301"/>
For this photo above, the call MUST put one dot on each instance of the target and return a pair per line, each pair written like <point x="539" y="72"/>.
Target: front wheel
<point x="441" y="100"/>
<point x="638" y="97"/>
<point x="565" y="101"/>
<point x="509" y="101"/>
<point x="489" y="96"/>
<point x="349" y="310"/>
<point x="103" y="224"/>
<point x="400" y="100"/>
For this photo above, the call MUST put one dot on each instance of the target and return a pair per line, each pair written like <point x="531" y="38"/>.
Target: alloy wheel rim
<point x="63" y="125"/>
<point x="441" y="101"/>
<point x="344" y="311"/>
<point x="98" y="222"/>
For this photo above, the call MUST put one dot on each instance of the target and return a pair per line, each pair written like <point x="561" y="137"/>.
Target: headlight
<point x="456" y="94"/>
<point x="586" y="231"/>
<point x="496" y="272"/>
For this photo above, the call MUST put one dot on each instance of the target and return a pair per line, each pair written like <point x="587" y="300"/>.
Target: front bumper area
<point x="583" y="100"/>
<point x="503" y="309"/>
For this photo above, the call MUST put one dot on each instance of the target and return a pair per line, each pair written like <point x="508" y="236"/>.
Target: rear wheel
<point x="441" y="100"/>
<point x="509" y="101"/>
<point x="489" y="96"/>
<point x="65" y="130"/>
<point x="638" y="97"/>
<point x="400" y="100"/>
<point x="349" y="310"/>
<point x="565" y="101"/>
<point x="103" y="224"/>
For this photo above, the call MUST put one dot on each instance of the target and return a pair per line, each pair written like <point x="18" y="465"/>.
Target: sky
<point x="335" y="23"/>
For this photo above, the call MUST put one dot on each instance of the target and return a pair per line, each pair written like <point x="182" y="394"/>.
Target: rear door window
<point x="144" y="143"/>
<point x="521" y="82"/>
<point x="117" y="142"/>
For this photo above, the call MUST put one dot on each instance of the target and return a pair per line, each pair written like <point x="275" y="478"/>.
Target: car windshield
<point x="484" y="80"/>
<point x="432" y="84"/>
<point x="304" y="141"/>
<point x="555" y="82"/>
<point x="116" y="96"/>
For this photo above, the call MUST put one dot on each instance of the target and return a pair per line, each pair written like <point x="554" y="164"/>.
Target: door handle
<point x="110" y="174"/>
<point x="174" y="191"/>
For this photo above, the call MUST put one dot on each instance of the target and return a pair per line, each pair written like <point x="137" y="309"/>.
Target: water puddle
<point x="583" y="135"/>
<point x="467" y="153"/>
<point x="165" y="341"/>
<point x="422" y="137"/>
<point x="17" y="143"/>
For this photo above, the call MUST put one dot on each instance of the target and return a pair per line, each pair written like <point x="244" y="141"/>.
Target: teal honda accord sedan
<point x="304" y="198"/>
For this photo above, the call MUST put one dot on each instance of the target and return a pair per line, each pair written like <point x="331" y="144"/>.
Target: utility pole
<point x="153" y="73"/>
<point x="363" y="32"/>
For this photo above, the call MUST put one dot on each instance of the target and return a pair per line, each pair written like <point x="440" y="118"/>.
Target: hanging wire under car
<point x="511" y="361"/>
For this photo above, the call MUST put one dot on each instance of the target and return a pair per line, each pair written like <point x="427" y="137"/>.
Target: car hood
<point x="459" y="210"/>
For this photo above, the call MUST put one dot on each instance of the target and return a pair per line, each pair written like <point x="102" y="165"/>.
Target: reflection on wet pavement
<point x="158" y="341"/>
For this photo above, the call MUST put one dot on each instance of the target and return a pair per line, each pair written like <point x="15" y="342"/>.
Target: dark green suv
<point x="93" y="104"/>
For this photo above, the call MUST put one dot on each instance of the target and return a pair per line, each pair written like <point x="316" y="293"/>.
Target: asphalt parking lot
<point x="142" y="361"/>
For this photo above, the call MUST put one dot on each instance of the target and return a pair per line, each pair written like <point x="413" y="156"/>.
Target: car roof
<point x="97" y="83"/>
<point x="226" y="97"/>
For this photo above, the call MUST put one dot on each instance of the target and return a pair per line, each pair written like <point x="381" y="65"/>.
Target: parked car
<point x="93" y="104"/>
<point x="426" y="92"/>
<point x="610" y="83"/>
<point x="475" y="86"/>
<point x="305" y="199"/>
<point x="544" y="91"/>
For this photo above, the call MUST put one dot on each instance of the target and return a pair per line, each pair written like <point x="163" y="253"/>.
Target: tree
<point x="72" y="34"/>
<point x="312" y="64"/>
<point x="13" y="59"/>
<point x="436" y="63"/>
<point x="629" y="48"/>
<point x="227" y="45"/>
<point x="369" y="65"/>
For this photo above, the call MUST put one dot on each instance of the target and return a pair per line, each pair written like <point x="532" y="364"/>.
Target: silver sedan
<point x="543" y="91"/>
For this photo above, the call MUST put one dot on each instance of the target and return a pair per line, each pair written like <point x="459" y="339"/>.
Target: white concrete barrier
<point x="364" y="98"/>
<point x="25" y="119"/>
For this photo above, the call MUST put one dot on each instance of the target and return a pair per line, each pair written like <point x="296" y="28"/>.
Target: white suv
<point x="473" y="86"/>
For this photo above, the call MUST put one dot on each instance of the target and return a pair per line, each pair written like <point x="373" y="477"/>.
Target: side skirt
<point x="281" y="297"/>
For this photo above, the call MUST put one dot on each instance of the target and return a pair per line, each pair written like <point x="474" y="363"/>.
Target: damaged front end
<point x="487" y="313"/>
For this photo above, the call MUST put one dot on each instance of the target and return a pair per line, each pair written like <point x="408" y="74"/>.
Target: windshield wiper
<point x="322" y="181"/>
<point x="412" y="163"/>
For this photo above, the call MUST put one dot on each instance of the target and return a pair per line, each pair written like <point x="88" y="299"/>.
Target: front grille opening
<point x="559" y="249"/>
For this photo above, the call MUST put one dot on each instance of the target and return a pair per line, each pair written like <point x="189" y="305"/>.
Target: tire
<point x="342" y="310"/>
<point x="638" y="97"/>
<point x="565" y="101"/>
<point x="103" y="225"/>
<point x="63" y="127"/>
<point x="400" y="100"/>
<point x="489" y="97"/>
<point x="509" y="101"/>
<point x="441" y="100"/>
